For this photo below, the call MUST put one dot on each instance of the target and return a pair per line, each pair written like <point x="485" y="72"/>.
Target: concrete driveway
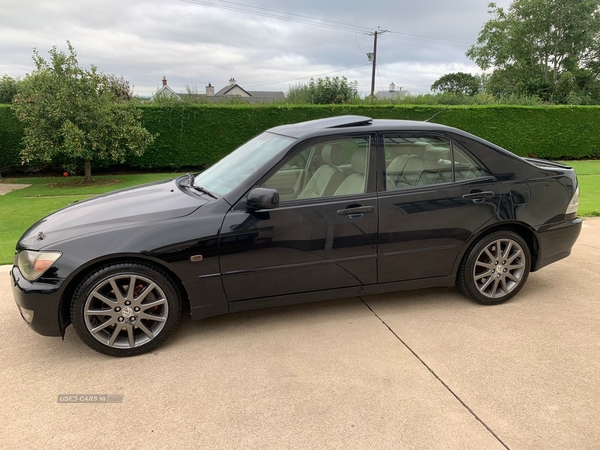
<point x="5" y="188"/>
<point x="422" y="369"/>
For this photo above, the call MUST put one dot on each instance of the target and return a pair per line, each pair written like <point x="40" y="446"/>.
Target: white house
<point x="392" y="93"/>
<point x="165" y="91"/>
<point x="232" y="90"/>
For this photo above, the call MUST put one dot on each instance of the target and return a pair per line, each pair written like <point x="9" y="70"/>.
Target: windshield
<point x="222" y="177"/>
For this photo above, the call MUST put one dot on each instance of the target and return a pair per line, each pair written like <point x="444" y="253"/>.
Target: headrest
<point x="359" y="161"/>
<point x="332" y="154"/>
<point x="405" y="148"/>
<point x="398" y="149"/>
<point x="434" y="154"/>
<point x="418" y="148"/>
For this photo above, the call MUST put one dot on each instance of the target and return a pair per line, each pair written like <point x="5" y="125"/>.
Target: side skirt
<point x="306" y="297"/>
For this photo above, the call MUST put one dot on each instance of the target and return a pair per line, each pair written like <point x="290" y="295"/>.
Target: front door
<point x="322" y="235"/>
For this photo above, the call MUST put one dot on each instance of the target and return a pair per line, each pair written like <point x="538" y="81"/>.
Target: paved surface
<point x="5" y="188"/>
<point x="415" y="370"/>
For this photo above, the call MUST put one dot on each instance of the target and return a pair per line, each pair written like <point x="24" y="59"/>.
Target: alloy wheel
<point x="125" y="311"/>
<point x="499" y="268"/>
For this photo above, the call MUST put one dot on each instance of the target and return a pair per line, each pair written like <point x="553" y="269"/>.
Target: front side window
<point x="324" y="169"/>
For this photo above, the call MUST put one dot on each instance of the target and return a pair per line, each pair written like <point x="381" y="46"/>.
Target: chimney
<point x="231" y="81"/>
<point x="164" y="81"/>
<point x="392" y="87"/>
<point x="210" y="90"/>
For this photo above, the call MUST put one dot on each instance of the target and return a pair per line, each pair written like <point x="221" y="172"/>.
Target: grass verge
<point x="588" y="174"/>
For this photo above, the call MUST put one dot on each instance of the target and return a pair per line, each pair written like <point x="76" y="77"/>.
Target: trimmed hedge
<point x="199" y="135"/>
<point x="11" y="132"/>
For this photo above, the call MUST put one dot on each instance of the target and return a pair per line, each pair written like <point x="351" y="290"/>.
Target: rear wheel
<point x="125" y="309"/>
<point x="495" y="268"/>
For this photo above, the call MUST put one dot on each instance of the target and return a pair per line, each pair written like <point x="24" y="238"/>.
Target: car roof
<point x="354" y="123"/>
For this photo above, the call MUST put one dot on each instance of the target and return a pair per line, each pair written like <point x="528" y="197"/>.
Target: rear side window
<point x="465" y="167"/>
<point x="417" y="161"/>
<point x="413" y="161"/>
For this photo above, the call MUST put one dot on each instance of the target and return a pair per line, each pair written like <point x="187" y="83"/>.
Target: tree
<point x="8" y="88"/>
<point x="324" y="91"/>
<point x="457" y="83"/>
<point x="81" y="113"/>
<point x="536" y="42"/>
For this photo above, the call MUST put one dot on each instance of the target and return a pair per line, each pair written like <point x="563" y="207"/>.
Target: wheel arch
<point x="83" y="271"/>
<point x="520" y="228"/>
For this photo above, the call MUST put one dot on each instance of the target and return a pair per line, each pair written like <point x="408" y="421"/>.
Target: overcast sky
<point x="193" y="43"/>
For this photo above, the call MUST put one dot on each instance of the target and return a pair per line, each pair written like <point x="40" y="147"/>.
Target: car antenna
<point x="429" y="120"/>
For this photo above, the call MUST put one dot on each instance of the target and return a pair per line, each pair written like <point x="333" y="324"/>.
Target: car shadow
<point x="305" y="312"/>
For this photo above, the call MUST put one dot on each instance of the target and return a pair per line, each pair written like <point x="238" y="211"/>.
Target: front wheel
<point x="125" y="309"/>
<point x="495" y="268"/>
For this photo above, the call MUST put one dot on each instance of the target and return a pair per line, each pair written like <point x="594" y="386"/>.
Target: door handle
<point x="479" y="197"/>
<point x="356" y="211"/>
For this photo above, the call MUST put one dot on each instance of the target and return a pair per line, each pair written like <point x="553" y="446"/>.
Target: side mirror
<point x="262" y="198"/>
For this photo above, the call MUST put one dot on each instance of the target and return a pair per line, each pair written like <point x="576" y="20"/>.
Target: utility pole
<point x="373" y="57"/>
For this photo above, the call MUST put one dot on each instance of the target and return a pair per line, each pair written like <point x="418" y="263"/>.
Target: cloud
<point x="142" y="40"/>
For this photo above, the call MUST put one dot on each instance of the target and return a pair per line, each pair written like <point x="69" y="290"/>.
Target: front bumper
<point x="41" y="299"/>
<point x="556" y="241"/>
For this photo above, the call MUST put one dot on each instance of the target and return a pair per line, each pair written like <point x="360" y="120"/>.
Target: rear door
<point x="433" y="196"/>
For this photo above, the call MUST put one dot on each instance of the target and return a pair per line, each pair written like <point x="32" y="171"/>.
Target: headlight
<point x="33" y="264"/>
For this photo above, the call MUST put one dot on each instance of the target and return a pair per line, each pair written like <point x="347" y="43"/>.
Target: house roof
<point x="165" y="91"/>
<point x="391" y="94"/>
<point x="230" y="87"/>
<point x="223" y="94"/>
<point x="267" y="94"/>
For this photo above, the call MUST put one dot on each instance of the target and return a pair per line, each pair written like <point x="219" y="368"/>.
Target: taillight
<point x="574" y="203"/>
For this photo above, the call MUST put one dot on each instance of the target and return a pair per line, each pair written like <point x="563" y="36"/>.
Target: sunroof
<point x="339" y="122"/>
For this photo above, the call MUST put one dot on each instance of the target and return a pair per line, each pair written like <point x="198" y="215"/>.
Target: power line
<point x="427" y="40"/>
<point x="16" y="67"/>
<point x="351" y="28"/>
<point x="356" y="40"/>
<point x="297" y="15"/>
<point x="323" y="23"/>
<point x="380" y="82"/>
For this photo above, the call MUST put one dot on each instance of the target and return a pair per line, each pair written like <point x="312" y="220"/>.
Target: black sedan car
<point x="311" y="211"/>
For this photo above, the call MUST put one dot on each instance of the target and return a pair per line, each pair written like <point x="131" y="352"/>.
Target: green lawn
<point x="20" y="209"/>
<point x="588" y="174"/>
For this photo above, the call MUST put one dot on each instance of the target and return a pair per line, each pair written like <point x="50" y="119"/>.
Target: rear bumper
<point x="556" y="242"/>
<point x="38" y="303"/>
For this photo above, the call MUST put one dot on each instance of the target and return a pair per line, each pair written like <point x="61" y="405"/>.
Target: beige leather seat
<point x="355" y="182"/>
<point x="328" y="177"/>
<point x="411" y="174"/>
<point x="397" y="167"/>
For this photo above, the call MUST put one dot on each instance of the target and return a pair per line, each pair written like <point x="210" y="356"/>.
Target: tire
<point x="495" y="268"/>
<point x="125" y="308"/>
